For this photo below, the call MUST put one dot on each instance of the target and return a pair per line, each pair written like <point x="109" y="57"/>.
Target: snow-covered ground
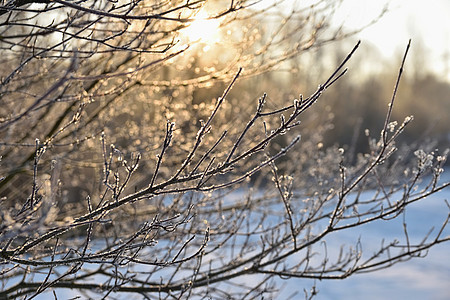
<point x="419" y="278"/>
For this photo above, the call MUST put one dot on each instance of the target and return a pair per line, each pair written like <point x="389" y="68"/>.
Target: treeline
<point x="357" y="104"/>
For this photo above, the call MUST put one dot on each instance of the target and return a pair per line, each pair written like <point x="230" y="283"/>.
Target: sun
<point x="202" y="29"/>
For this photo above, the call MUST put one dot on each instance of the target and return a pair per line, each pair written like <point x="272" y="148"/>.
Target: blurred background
<point x="286" y="49"/>
<point x="359" y="101"/>
<point x="126" y="86"/>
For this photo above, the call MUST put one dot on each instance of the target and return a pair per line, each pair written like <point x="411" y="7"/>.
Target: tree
<point x="119" y="178"/>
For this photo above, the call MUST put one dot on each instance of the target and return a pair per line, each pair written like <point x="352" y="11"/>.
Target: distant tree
<point x="128" y="166"/>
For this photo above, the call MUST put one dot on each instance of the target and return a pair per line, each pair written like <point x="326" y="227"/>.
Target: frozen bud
<point x="408" y="119"/>
<point x="425" y="160"/>
<point x="406" y="172"/>
<point x="391" y="126"/>
<point x="439" y="171"/>
<point x="420" y="154"/>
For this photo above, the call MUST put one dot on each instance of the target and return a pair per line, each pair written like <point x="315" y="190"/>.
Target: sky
<point x="427" y="23"/>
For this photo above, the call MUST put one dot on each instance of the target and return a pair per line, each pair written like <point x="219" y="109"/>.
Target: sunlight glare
<point x="203" y="29"/>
